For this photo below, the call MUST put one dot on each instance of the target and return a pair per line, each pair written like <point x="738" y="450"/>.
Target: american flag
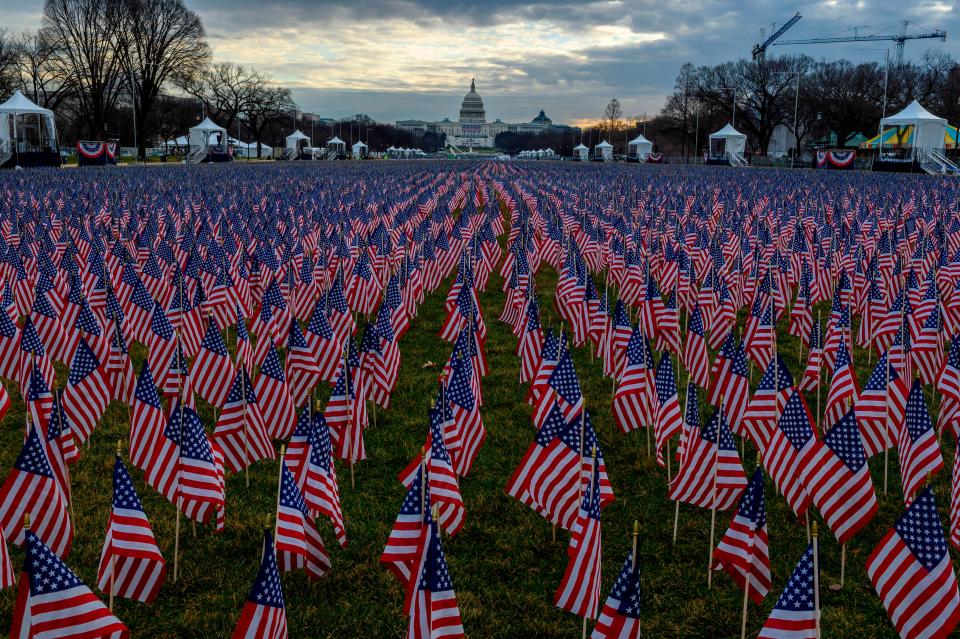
<point x="911" y="571"/>
<point x="773" y="391"/>
<point x="264" y="616"/>
<point x="620" y="615"/>
<point x="838" y="479"/>
<point x="53" y="603"/>
<point x="32" y="350"/>
<point x="948" y="383"/>
<point x="9" y="339"/>
<point x="345" y="414"/>
<point x="213" y="370"/>
<point x="579" y="590"/>
<point x="843" y="387"/>
<point x="795" y="615"/>
<point x="299" y="545"/>
<point x="162" y="343"/>
<point x="668" y="422"/>
<point x="530" y="344"/>
<point x="442" y="480"/>
<point x="39" y="399"/>
<point x="710" y="474"/>
<point x="198" y="472"/>
<point x="131" y="565"/>
<point x="784" y="455"/>
<point x="695" y="358"/>
<point x="917" y="445"/>
<point x="147" y="420"/>
<point x="88" y="391"/>
<point x="319" y="336"/>
<point x="811" y="374"/>
<point x="273" y="395"/>
<point x="881" y="407"/>
<point x="743" y="551"/>
<point x="465" y="412"/>
<point x="635" y="398"/>
<point x="310" y="459"/>
<point x="430" y="599"/>
<point x="240" y="431"/>
<point x="731" y="383"/>
<point x="402" y="550"/>
<point x="31" y="488"/>
<point x="301" y="368"/>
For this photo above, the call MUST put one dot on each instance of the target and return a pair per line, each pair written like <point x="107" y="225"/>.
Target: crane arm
<point x="759" y="49"/>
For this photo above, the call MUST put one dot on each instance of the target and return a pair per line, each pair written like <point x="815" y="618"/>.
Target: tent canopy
<point x="727" y="141"/>
<point x="639" y="140"/>
<point x="294" y="139"/>
<point x="639" y="147"/>
<point x="930" y="130"/>
<point x="335" y="141"/>
<point x="580" y="147"/>
<point x="604" y="145"/>
<point x="200" y="134"/>
<point x="19" y="104"/>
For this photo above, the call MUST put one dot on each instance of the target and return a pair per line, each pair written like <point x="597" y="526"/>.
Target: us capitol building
<point x="472" y="128"/>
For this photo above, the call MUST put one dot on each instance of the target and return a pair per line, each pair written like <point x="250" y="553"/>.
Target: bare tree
<point x="85" y="33"/>
<point x="160" y="41"/>
<point x="267" y="105"/>
<point x="42" y="75"/>
<point x="613" y="116"/>
<point x="226" y="90"/>
<point x="8" y="64"/>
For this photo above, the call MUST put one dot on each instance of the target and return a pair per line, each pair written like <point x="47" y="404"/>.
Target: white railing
<point x="197" y="156"/>
<point x="938" y="162"/>
<point x="737" y="159"/>
<point x="332" y="154"/>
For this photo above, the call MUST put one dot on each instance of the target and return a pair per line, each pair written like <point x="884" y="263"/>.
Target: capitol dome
<point x="472" y="108"/>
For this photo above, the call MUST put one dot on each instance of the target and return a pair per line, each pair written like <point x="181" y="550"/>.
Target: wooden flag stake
<point x="246" y="442"/>
<point x="816" y="579"/>
<point x="713" y="502"/>
<point x="276" y="520"/>
<point x="636" y="533"/>
<point x="113" y="556"/>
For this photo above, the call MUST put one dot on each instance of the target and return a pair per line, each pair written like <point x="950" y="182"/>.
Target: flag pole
<point x="176" y="532"/>
<point x="66" y="467"/>
<point x="246" y="442"/>
<point x="276" y="520"/>
<point x="713" y="500"/>
<point x="113" y="556"/>
<point x="683" y="439"/>
<point x="816" y="580"/>
<point x="886" y="424"/>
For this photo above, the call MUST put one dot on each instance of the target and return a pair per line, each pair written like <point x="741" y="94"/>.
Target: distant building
<point x="472" y="129"/>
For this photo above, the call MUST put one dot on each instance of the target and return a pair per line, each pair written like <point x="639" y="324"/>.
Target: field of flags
<point x="454" y="399"/>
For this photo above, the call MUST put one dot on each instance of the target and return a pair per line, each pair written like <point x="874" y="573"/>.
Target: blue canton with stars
<point x="795" y="422"/>
<point x="844" y="440"/>
<point x="917" y="416"/>
<point x="146" y="388"/>
<point x="920" y="528"/>
<point x="266" y="589"/>
<point x="124" y="494"/>
<point x="48" y="574"/>
<point x="797" y="595"/>
<point x="33" y="458"/>
<point x="626" y="590"/>
<point x="84" y="363"/>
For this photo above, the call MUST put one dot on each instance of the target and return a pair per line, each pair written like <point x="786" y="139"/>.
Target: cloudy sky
<point x="396" y="59"/>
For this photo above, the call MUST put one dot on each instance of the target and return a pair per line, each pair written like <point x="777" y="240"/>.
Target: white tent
<point x="603" y="151"/>
<point x="296" y="140"/>
<point x="727" y="141"/>
<point x="14" y="137"/>
<point x="639" y="148"/>
<point x="206" y="134"/>
<point x="359" y="150"/>
<point x="580" y="152"/>
<point x="928" y="130"/>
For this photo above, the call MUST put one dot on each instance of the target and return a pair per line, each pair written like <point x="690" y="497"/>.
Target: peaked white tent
<point x="580" y="152"/>
<point x="726" y="142"/>
<point x="207" y="133"/>
<point x="337" y="145"/>
<point x="929" y="130"/>
<point x="14" y="136"/>
<point x="296" y="141"/>
<point x="359" y="149"/>
<point x="603" y="151"/>
<point x="639" y="148"/>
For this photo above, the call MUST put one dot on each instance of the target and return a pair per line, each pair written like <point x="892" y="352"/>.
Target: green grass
<point x="505" y="565"/>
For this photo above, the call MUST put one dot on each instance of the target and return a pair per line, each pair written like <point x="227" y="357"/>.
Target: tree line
<point x="831" y="101"/>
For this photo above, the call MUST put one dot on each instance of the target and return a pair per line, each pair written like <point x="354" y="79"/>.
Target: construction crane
<point x="900" y="38"/>
<point x="760" y="49"/>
